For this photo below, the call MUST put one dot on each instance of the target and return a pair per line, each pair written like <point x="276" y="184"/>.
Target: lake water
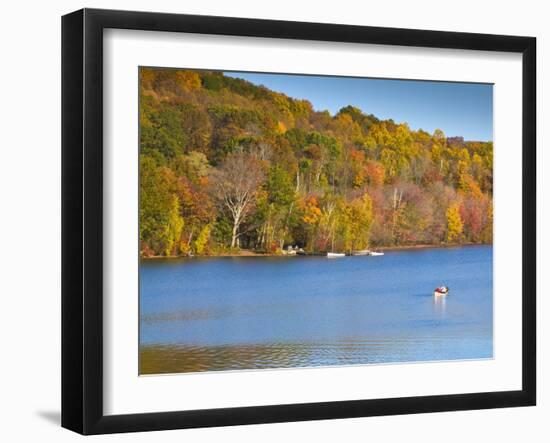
<point x="230" y="313"/>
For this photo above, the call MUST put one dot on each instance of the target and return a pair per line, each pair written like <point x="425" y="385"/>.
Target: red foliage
<point x="432" y="175"/>
<point x="375" y="173"/>
<point x="472" y="212"/>
<point x="146" y="251"/>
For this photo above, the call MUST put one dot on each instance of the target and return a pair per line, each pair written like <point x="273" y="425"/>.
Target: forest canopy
<point x="228" y="165"/>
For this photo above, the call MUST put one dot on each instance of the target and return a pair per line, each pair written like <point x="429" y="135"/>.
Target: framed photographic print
<point x="270" y="221"/>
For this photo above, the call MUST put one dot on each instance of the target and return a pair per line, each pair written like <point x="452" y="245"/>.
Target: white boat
<point x="335" y="254"/>
<point x="442" y="290"/>
<point x="373" y="253"/>
<point x="363" y="252"/>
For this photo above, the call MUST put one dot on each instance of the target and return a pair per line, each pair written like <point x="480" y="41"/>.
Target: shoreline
<point x="249" y="253"/>
<point x="428" y="246"/>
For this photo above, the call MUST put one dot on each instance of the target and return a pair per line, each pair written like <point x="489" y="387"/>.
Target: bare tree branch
<point x="235" y="186"/>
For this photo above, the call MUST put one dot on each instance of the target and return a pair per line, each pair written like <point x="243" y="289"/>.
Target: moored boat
<point x="335" y="254"/>
<point x="374" y="253"/>
<point x="363" y="252"/>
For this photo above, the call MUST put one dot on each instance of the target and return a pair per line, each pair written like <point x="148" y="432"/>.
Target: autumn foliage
<point x="226" y="164"/>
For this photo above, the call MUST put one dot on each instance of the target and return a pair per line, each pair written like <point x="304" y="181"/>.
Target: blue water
<point x="200" y="314"/>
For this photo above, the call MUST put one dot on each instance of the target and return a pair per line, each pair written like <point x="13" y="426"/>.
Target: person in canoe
<point x="441" y="290"/>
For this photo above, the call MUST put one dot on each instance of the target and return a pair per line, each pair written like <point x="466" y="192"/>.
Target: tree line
<point x="228" y="165"/>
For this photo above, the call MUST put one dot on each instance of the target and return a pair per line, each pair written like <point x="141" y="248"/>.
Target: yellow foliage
<point x="188" y="79"/>
<point x="147" y="77"/>
<point x="202" y="240"/>
<point x="468" y="185"/>
<point x="184" y="248"/>
<point x="312" y="212"/>
<point x="360" y="179"/>
<point x="454" y="223"/>
<point x="174" y="226"/>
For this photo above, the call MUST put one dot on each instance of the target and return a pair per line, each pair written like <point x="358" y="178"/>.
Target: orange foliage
<point x="188" y="80"/>
<point x="312" y="213"/>
<point x="375" y="173"/>
<point x="356" y="156"/>
<point x="469" y="186"/>
<point x="147" y="77"/>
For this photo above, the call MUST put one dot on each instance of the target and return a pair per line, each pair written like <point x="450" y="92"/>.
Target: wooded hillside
<point x="226" y="164"/>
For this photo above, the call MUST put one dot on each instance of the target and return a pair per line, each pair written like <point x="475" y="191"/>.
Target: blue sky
<point x="464" y="109"/>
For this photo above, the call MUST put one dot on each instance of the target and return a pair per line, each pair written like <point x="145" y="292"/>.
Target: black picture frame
<point x="82" y="221"/>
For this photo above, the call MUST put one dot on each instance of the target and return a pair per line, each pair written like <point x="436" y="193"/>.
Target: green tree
<point x="193" y="165"/>
<point x="160" y="221"/>
<point x="280" y="197"/>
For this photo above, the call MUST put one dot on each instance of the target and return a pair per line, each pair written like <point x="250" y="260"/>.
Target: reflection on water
<point x="172" y="359"/>
<point x="257" y="312"/>
<point x="439" y="307"/>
